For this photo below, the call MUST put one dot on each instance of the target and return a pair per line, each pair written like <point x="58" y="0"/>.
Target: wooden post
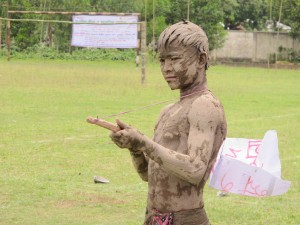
<point x="279" y="20"/>
<point x="0" y="35"/>
<point x="42" y="26"/>
<point x="137" y="50"/>
<point x="70" y="43"/>
<point x="0" y="29"/>
<point x="72" y="13"/>
<point x="143" y="51"/>
<point x="153" y="31"/>
<point x="8" y="31"/>
<point x="188" y="10"/>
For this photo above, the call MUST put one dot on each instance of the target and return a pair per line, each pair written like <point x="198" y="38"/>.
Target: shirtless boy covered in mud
<point x="177" y="161"/>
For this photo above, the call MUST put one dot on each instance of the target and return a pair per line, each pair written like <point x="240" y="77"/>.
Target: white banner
<point x="105" y="35"/>
<point x="249" y="167"/>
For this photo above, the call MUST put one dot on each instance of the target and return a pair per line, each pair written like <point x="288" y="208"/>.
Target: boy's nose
<point x="167" y="65"/>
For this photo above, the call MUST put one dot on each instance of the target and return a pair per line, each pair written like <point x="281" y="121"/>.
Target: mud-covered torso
<point x="172" y="129"/>
<point x="167" y="192"/>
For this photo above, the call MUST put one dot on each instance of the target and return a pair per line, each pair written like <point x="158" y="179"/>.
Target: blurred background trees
<point x="215" y="16"/>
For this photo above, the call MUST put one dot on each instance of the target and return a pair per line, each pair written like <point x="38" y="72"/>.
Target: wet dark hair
<point x="187" y="34"/>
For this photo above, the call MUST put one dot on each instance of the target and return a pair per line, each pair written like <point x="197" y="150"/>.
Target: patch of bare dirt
<point x="88" y="199"/>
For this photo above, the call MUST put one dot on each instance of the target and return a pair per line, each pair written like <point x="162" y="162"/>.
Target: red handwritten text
<point x="226" y="186"/>
<point x="253" y="150"/>
<point x="252" y="189"/>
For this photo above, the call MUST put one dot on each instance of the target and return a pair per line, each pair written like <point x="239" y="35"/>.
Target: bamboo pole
<point x="279" y="20"/>
<point x="68" y="22"/>
<point x="271" y="5"/>
<point x="0" y="35"/>
<point x="42" y="25"/>
<point x="72" y="13"/>
<point x="143" y="52"/>
<point x="143" y="27"/>
<point x="146" y="11"/>
<point x="188" y="10"/>
<point x="0" y="30"/>
<point x="8" y="31"/>
<point x="153" y="30"/>
<point x="8" y="41"/>
<point x="137" y="50"/>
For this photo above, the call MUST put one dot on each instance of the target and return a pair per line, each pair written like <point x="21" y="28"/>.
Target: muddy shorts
<point x="185" y="217"/>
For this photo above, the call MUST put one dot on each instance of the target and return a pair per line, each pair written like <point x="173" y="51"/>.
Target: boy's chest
<point x="173" y="123"/>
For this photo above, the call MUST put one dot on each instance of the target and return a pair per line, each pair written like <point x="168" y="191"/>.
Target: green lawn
<point x="49" y="154"/>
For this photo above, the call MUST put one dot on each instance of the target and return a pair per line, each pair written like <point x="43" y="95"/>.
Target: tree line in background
<point x="215" y="16"/>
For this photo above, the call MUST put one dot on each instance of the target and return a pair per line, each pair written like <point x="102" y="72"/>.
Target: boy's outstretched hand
<point x="128" y="137"/>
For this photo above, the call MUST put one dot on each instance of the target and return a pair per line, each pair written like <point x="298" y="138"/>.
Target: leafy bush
<point x="91" y="54"/>
<point x="288" y="54"/>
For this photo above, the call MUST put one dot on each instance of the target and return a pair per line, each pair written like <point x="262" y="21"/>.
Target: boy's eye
<point x="162" y="60"/>
<point x="175" y="58"/>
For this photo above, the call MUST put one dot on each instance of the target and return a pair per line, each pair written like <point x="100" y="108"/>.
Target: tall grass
<point x="49" y="154"/>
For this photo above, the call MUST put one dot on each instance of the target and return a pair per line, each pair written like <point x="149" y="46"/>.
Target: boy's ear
<point x="203" y="59"/>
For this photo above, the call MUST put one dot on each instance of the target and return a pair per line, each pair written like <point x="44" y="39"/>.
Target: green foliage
<point x="292" y="17"/>
<point x="252" y="14"/>
<point x="159" y="26"/>
<point x="210" y="14"/>
<point x="178" y="11"/>
<point x="288" y="54"/>
<point x="288" y="11"/>
<point x="21" y="39"/>
<point x="205" y="13"/>
<point x="92" y="54"/>
<point x="156" y="15"/>
<point x="2" y="9"/>
<point x="124" y="6"/>
<point x="230" y="8"/>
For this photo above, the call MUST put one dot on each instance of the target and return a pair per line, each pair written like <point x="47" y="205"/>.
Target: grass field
<point x="49" y="154"/>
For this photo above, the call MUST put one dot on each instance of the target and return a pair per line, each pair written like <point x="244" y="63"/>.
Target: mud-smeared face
<point x="179" y="65"/>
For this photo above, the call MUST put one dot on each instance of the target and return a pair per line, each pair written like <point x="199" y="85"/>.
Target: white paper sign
<point x="105" y="35"/>
<point x="249" y="167"/>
